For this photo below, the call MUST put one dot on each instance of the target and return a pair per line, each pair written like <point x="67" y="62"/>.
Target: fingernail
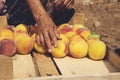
<point x="55" y="1"/>
<point x="49" y="50"/>
<point x="55" y="45"/>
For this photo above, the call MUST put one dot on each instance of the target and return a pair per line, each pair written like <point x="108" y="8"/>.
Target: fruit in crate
<point x="37" y="48"/>
<point x="7" y="47"/>
<point x="61" y="50"/>
<point x="64" y="38"/>
<point x="7" y="33"/>
<point x="76" y="37"/>
<point x="84" y="32"/>
<point x="78" y="48"/>
<point x="20" y="29"/>
<point x="64" y="28"/>
<point x="77" y="26"/>
<point x="24" y="43"/>
<point x="97" y="48"/>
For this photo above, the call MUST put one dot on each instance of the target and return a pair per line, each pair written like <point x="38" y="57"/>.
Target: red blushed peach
<point x="60" y="51"/>
<point x="84" y="32"/>
<point x="64" y="28"/>
<point x="7" y="47"/>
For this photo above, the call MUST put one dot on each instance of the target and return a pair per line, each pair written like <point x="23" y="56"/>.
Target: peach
<point x="7" y="47"/>
<point x="97" y="50"/>
<point x="7" y="33"/>
<point x="76" y="37"/>
<point x="78" y="48"/>
<point x="70" y="34"/>
<point x="84" y="32"/>
<point x="64" y="38"/>
<point x="64" y="28"/>
<point x="77" y="26"/>
<point x="61" y="50"/>
<point x="39" y="48"/>
<point x="21" y="28"/>
<point x="24" y="43"/>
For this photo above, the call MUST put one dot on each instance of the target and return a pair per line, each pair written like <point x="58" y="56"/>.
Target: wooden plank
<point x="3" y="22"/>
<point x="79" y="18"/>
<point x="113" y="76"/>
<point x="72" y="66"/>
<point x="6" y="67"/>
<point x="45" y="65"/>
<point x="23" y="66"/>
<point x="113" y="58"/>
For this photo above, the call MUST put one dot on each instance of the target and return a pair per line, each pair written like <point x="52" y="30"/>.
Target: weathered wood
<point x="45" y="65"/>
<point x="3" y="22"/>
<point x="79" y="18"/>
<point x="71" y="66"/>
<point x="6" y="67"/>
<point x="23" y="66"/>
<point x="113" y="76"/>
<point x="113" y="58"/>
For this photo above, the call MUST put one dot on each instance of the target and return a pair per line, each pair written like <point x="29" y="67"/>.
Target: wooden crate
<point x="36" y="66"/>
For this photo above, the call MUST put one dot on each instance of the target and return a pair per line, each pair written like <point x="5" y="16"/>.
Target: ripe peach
<point x="7" y="33"/>
<point x="64" y="28"/>
<point x="21" y="28"/>
<point x="70" y="34"/>
<point x="78" y="48"/>
<point x="64" y="38"/>
<point x="84" y="32"/>
<point x="39" y="48"/>
<point x="24" y="43"/>
<point x="7" y="47"/>
<point x="60" y="51"/>
<point x="97" y="50"/>
<point x="77" y="26"/>
<point x="76" y="37"/>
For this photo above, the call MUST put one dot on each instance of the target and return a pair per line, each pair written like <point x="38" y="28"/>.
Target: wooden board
<point x="72" y="66"/>
<point x="79" y="18"/>
<point x="23" y="66"/>
<point x="3" y="22"/>
<point x="6" y="67"/>
<point x="114" y="59"/>
<point x="45" y="65"/>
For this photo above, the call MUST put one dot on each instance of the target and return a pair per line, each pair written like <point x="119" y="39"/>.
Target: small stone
<point x="97" y="24"/>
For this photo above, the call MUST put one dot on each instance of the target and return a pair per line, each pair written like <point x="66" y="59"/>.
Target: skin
<point x="46" y="28"/>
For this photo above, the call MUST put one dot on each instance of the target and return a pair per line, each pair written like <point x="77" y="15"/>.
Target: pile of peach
<point x="77" y="41"/>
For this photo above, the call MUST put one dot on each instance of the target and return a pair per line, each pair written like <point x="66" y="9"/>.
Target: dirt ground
<point x="102" y="17"/>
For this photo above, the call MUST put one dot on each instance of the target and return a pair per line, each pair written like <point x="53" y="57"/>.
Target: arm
<point x="45" y="26"/>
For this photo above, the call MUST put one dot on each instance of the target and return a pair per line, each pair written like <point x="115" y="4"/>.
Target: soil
<point x="102" y="17"/>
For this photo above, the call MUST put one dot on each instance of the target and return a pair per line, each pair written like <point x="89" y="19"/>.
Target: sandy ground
<point x="102" y="17"/>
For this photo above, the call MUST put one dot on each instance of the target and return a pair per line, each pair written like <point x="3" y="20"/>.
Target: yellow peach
<point x="60" y="51"/>
<point x="97" y="50"/>
<point x="77" y="26"/>
<point x="64" y="38"/>
<point x="78" y="48"/>
<point x="6" y="34"/>
<point x="24" y="43"/>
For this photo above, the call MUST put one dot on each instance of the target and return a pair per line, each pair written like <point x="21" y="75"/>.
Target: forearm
<point x="36" y="8"/>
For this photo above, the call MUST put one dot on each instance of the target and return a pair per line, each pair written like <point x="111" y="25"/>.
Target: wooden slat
<point x="113" y="76"/>
<point x="6" y="68"/>
<point x="45" y="65"/>
<point x="114" y="59"/>
<point x="79" y="18"/>
<point x="70" y="66"/>
<point x="3" y="22"/>
<point x="23" y="66"/>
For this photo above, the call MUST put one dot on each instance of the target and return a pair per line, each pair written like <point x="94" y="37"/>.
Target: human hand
<point x="47" y="32"/>
<point x="63" y="4"/>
